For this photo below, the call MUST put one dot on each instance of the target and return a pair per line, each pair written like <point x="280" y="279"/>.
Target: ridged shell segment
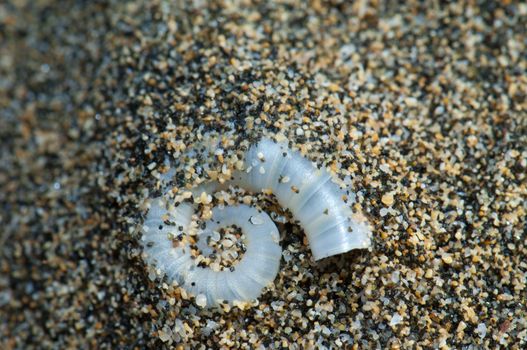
<point x="315" y="200"/>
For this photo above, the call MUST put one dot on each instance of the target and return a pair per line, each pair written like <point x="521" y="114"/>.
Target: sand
<point x="420" y="109"/>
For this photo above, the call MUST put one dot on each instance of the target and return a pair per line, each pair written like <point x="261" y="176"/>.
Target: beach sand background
<point x="420" y="107"/>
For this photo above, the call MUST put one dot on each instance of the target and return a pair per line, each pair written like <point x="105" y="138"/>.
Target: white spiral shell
<point x="319" y="204"/>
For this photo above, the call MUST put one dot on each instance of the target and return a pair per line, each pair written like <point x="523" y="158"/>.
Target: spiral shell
<point x="315" y="200"/>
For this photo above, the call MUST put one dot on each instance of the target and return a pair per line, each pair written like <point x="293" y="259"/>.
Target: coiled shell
<point x="315" y="200"/>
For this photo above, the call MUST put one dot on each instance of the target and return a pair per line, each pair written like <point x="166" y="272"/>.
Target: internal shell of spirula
<point x="322" y="208"/>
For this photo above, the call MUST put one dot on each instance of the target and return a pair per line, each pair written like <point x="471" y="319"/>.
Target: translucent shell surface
<point x="319" y="204"/>
<point x="257" y="268"/>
